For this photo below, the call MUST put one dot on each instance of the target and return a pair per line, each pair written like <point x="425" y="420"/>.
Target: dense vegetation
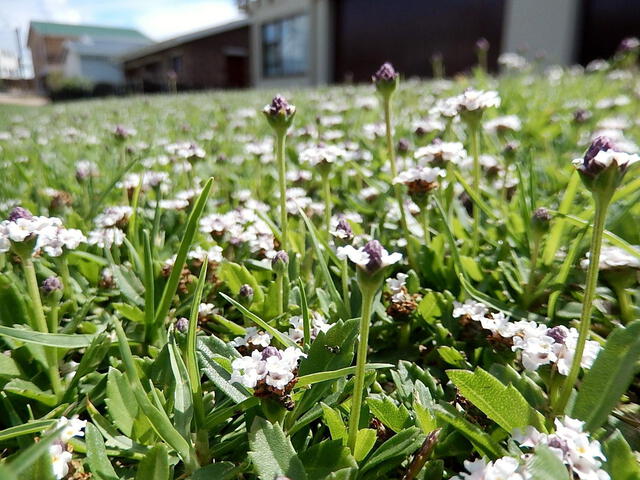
<point x="184" y="280"/>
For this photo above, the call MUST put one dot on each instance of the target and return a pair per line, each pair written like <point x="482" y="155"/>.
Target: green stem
<point x="405" y="334"/>
<point x="282" y="181"/>
<point x="41" y="325"/>
<point x="66" y="278"/>
<point x="587" y="305"/>
<point x="280" y="289"/>
<point x="327" y="203"/>
<point x="624" y="303"/>
<point x="535" y="253"/>
<point x="391" y="152"/>
<point x="425" y="226"/>
<point x="361" y="362"/>
<point x="473" y="130"/>
<point x="346" y="298"/>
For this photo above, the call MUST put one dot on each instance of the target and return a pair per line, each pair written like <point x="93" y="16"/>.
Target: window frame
<point x="277" y="69"/>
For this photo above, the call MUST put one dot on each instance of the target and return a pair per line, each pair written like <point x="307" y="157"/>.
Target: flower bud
<point x="280" y="262"/>
<point x="540" y="221"/>
<point x="182" y="325"/>
<point x="482" y="44"/>
<point x="603" y="167"/>
<point x="246" y="293"/>
<point x="51" y="285"/>
<point x="386" y="79"/>
<point x="279" y="114"/>
<point x="343" y="231"/>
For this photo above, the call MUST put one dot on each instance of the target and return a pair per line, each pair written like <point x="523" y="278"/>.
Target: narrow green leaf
<point x="28" y="428"/>
<point x="130" y="312"/>
<point x="609" y="376"/>
<point x="59" y="340"/>
<point x="621" y="462"/>
<point x="335" y="423"/>
<point x="189" y="234"/>
<point x="557" y="229"/>
<point x="365" y="440"/>
<point x="149" y="284"/>
<point x="394" y="450"/>
<point x="312" y="378"/>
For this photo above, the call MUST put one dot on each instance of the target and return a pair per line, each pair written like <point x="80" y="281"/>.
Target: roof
<point x="104" y="47"/>
<point x="69" y="30"/>
<point x="189" y="37"/>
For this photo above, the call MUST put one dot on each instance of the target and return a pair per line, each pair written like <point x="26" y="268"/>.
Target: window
<point x="176" y="64"/>
<point x="285" y="47"/>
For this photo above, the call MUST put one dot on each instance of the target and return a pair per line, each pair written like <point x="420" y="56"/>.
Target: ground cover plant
<point x="381" y="281"/>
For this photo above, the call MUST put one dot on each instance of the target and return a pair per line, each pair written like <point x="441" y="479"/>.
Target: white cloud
<point x="166" y="21"/>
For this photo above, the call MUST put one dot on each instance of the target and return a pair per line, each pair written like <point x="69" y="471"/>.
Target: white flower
<point x="505" y="468"/>
<point x="396" y="284"/>
<point x="614" y="258"/>
<point x="272" y="366"/>
<point x="424" y="174"/>
<point x="317" y="155"/>
<point x="59" y="460"/>
<point x="501" y="124"/>
<point x="252" y="336"/>
<point x="474" y="100"/>
<point x="206" y="309"/>
<point x="72" y="427"/>
<point x="372" y="257"/>
<point x="106" y="237"/>
<point x="441" y="152"/>
<point x="475" y="310"/>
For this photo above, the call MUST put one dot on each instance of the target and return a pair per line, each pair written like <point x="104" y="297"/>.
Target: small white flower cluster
<point x="419" y="174"/>
<point x="537" y="344"/>
<point x="188" y="150"/>
<point x="253" y="338"/>
<point x="213" y="255"/>
<point x="614" y="258"/>
<point x="318" y="324"/>
<point x="476" y="100"/>
<point x="60" y="456"/>
<point x="299" y="198"/>
<point x="397" y="287"/>
<point x="317" y="155"/>
<point x="242" y="226"/>
<point x="110" y="224"/>
<point x="441" y="153"/>
<point x="276" y="368"/>
<point x="147" y="181"/>
<point x="206" y="310"/>
<point x="49" y="234"/>
<point x="503" y="124"/>
<point x="569" y="443"/>
<point x="604" y="158"/>
<point x="86" y="169"/>
<point x="365" y="257"/>
<point x="505" y="468"/>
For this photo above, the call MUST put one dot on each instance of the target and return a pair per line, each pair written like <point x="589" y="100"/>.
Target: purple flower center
<point x="559" y="334"/>
<point x="51" y="284"/>
<point x="19" y="212"/>
<point x="271" y="352"/>
<point x="279" y="105"/>
<point x="600" y="144"/>
<point x="374" y="250"/>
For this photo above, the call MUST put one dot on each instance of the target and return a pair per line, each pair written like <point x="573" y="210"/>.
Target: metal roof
<point x="69" y="30"/>
<point x="174" y="42"/>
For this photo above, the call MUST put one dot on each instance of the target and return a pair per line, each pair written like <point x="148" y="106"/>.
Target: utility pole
<point x="19" y="44"/>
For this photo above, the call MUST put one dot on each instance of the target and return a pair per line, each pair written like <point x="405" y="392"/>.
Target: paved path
<point x="22" y="99"/>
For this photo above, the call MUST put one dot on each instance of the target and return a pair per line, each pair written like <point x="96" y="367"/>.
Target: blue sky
<point x="159" y="19"/>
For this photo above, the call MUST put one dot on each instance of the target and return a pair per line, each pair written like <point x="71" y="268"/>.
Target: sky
<point x="158" y="19"/>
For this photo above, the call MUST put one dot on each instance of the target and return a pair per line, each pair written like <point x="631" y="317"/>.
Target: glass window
<point x="285" y="46"/>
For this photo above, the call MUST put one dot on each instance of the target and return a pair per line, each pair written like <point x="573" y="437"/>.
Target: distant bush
<point x="62" y="88"/>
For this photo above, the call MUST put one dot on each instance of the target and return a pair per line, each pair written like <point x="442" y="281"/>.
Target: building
<point x="9" y="65"/>
<point x="83" y="51"/>
<point x="311" y="42"/>
<point x="216" y="57"/>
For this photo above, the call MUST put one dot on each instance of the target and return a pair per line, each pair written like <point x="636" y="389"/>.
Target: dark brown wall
<point x="604" y="24"/>
<point x="205" y="64"/>
<point x="408" y="32"/>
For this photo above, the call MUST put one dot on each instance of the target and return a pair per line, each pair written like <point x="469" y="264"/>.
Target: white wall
<point x="542" y="26"/>
<point x="319" y="57"/>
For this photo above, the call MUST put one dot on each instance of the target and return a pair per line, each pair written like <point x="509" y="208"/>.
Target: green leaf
<point x="28" y="428"/>
<point x="97" y="458"/>
<point x="482" y="442"/>
<point x="216" y="471"/>
<point x="59" y="340"/>
<point x="28" y="457"/>
<point x="312" y="378"/>
<point x="544" y="465"/>
<point x="503" y="404"/>
<point x="28" y="389"/>
<point x="453" y="357"/>
<point x="365" y="440"/>
<point x="189" y="234"/>
<point x="334" y="421"/>
<point x="331" y="350"/>
<point x="219" y="376"/>
<point x="396" y="417"/>
<point x="155" y="464"/>
<point x="282" y="338"/>
<point x="8" y="367"/>
<point x="621" y="462"/>
<point x="326" y="457"/>
<point x="609" y="376"/>
<point x="122" y="410"/>
<point x="272" y="453"/>
<point x="394" y="451"/>
<point x="555" y="234"/>
<point x="234" y="276"/>
<point x="182" y="395"/>
<point x="130" y="312"/>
